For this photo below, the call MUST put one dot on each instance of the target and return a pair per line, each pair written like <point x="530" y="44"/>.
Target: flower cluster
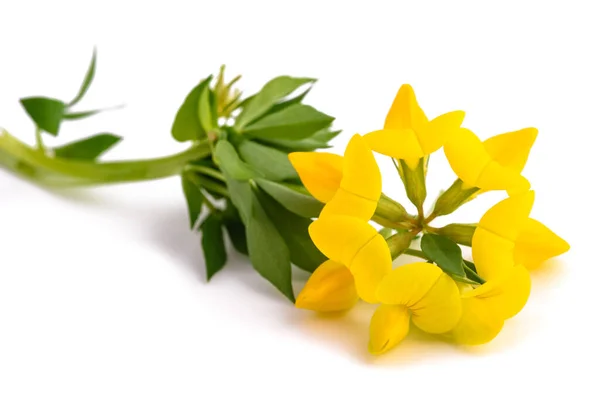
<point x="444" y="294"/>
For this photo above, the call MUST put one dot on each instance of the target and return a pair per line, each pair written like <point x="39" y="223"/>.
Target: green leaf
<point x="295" y="122"/>
<point x="271" y="93"/>
<point x="193" y="197"/>
<point x="271" y="163"/>
<point x="87" y="81"/>
<point x="213" y="245"/>
<point x="85" y="114"/>
<point x="46" y="113"/>
<point x="205" y="113"/>
<point x="293" y="197"/>
<point x="186" y="125"/>
<point x="268" y="251"/>
<point x="285" y="104"/>
<point x="235" y="228"/>
<point x="241" y="197"/>
<point x="230" y="162"/>
<point x="89" y="148"/>
<point x="444" y="252"/>
<point x="294" y="230"/>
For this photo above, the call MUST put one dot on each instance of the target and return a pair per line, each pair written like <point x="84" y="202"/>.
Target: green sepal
<point x="459" y="233"/>
<point x="213" y="245"/>
<point x="46" y="113"/>
<point x="89" y="148"/>
<point x="454" y="197"/>
<point x="414" y="183"/>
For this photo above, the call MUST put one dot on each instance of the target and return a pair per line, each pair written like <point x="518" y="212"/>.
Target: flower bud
<point x="414" y="182"/>
<point x="459" y="233"/>
<point x="454" y="197"/>
<point x="399" y="242"/>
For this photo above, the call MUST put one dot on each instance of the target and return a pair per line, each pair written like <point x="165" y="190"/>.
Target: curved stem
<point x="23" y="159"/>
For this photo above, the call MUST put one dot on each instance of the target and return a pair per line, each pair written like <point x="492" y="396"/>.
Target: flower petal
<point x="508" y="217"/>
<point x="511" y="149"/>
<point x="478" y="323"/>
<point x="440" y="309"/>
<point x="466" y="156"/>
<point x="496" y="177"/>
<point x="406" y="285"/>
<point x="405" y="112"/>
<point x="330" y="288"/>
<point x="321" y="173"/>
<point x="397" y="143"/>
<point x="370" y="265"/>
<point x="437" y="132"/>
<point x="492" y="254"/>
<point x="389" y="326"/>
<point x="507" y="294"/>
<point x="360" y="186"/>
<point x="536" y="243"/>
<point x="340" y="237"/>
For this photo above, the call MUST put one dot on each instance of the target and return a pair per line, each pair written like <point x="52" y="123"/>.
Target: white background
<point x="102" y="292"/>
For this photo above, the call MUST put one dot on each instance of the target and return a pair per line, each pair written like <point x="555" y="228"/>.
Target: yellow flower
<point x="352" y="242"/>
<point x="321" y="173"/>
<point x="350" y="185"/>
<point x="420" y="292"/>
<point x="330" y="288"/>
<point x="506" y="236"/>
<point x="408" y="134"/>
<point x="485" y="308"/>
<point x="489" y="166"/>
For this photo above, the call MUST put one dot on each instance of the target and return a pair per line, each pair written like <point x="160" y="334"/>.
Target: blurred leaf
<point x="230" y="162"/>
<point x="295" y="122"/>
<point x="271" y="163"/>
<point x="213" y="245"/>
<point x="444" y="252"/>
<point x="186" y="125"/>
<point x="471" y="272"/>
<point x="85" y="114"/>
<point x="293" y="197"/>
<point x="271" y="93"/>
<point x="241" y="197"/>
<point x="46" y="113"/>
<point x="89" y="148"/>
<point x="235" y="228"/>
<point x="285" y="104"/>
<point x="87" y="81"/>
<point x="294" y="230"/>
<point x="268" y="251"/>
<point x="319" y="140"/>
<point x="193" y="197"/>
<point x="205" y="112"/>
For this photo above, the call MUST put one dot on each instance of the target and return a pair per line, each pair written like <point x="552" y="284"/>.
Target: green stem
<point x="16" y="155"/>
<point x="38" y="139"/>
<point x="213" y="173"/>
<point x="416" y="253"/>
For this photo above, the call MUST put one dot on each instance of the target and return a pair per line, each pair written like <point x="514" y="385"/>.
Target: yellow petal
<point x="511" y="149"/>
<point x="406" y="285"/>
<point x="389" y="326"/>
<point x="360" y="186"/>
<point x="466" y="156"/>
<point x="492" y="254"/>
<point x="440" y="309"/>
<point x="405" y="112"/>
<point x="496" y="177"/>
<point x="330" y="288"/>
<point x="508" y="217"/>
<point x="506" y="294"/>
<point x="340" y="237"/>
<point x="439" y="130"/>
<point x="370" y="265"/>
<point x="478" y="324"/>
<point x="536" y="243"/>
<point x="321" y="173"/>
<point x="398" y="143"/>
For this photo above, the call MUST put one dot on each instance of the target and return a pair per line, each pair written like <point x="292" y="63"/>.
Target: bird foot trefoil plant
<point x="252" y="173"/>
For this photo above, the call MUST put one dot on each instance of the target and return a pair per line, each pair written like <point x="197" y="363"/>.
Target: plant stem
<point x="416" y="253"/>
<point x="38" y="139"/>
<point x="20" y="158"/>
